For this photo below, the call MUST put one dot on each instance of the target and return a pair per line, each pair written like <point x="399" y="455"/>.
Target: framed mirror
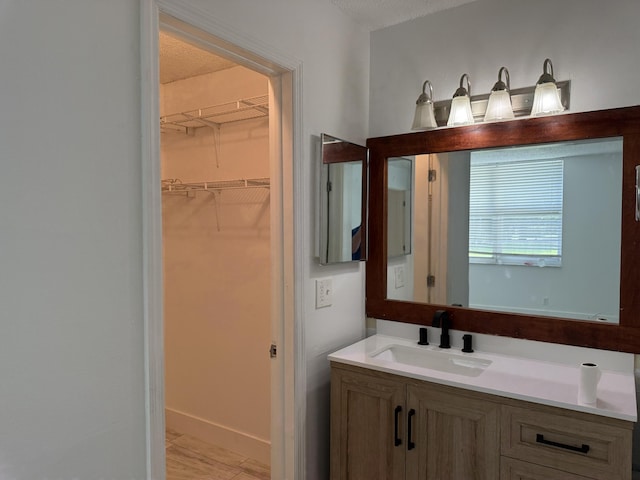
<point x="514" y="230"/>
<point x="524" y="228"/>
<point x="343" y="201"/>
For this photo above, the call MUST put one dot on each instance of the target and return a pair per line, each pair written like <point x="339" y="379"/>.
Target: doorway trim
<point x="285" y="140"/>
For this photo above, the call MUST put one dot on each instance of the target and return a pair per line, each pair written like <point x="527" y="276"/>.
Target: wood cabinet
<point x="389" y="427"/>
<point x="367" y="435"/>
<point x="456" y="434"/>
<point x="385" y="427"/>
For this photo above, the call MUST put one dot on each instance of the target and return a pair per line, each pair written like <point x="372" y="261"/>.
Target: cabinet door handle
<point x="583" y="449"/>
<point x="396" y="439"/>
<point x="410" y="444"/>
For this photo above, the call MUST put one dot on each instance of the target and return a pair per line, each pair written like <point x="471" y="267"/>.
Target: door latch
<point x="273" y="351"/>
<point x="637" y="193"/>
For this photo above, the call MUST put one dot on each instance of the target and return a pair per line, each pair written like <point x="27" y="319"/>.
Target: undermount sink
<point x="443" y="361"/>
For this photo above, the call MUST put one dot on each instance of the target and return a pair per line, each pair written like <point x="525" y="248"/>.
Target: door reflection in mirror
<point x="400" y="182"/>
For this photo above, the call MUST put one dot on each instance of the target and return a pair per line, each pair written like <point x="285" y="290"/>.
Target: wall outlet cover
<point x="399" y="274"/>
<point x="324" y="292"/>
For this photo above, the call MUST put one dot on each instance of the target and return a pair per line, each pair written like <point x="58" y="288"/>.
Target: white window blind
<point x="515" y="212"/>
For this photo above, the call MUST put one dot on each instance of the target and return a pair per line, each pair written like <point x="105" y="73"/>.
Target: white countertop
<point x="537" y="381"/>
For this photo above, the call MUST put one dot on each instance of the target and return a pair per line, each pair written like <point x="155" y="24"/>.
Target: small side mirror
<point x="342" y="201"/>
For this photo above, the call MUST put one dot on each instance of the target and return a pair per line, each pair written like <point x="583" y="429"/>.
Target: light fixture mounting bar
<point x="521" y="100"/>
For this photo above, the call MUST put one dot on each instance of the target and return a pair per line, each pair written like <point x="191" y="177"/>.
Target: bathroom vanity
<point x="402" y="411"/>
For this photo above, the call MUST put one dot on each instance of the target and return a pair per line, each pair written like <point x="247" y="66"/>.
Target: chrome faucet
<point x="441" y="320"/>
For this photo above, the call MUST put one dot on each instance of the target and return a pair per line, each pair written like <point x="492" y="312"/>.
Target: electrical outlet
<point x="399" y="274"/>
<point x="324" y="292"/>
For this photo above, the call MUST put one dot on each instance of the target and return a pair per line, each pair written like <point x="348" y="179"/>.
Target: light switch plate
<point x="324" y="292"/>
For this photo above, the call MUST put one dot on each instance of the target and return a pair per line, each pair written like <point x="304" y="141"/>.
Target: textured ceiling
<point x="375" y="14"/>
<point x="179" y="60"/>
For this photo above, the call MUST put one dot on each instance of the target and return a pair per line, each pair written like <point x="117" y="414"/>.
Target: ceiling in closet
<point x="179" y="60"/>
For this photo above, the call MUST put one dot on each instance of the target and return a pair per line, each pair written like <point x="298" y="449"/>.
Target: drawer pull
<point x="397" y="440"/>
<point x="410" y="444"/>
<point x="583" y="449"/>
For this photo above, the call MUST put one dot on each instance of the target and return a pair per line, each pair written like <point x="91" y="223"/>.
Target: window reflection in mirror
<point x="342" y="189"/>
<point x="533" y="230"/>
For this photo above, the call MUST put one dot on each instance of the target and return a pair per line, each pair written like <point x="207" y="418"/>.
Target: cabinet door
<point x="454" y="435"/>
<point x="367" y="420"/>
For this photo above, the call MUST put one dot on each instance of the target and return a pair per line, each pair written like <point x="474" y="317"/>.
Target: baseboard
<point x="239" y="442"/>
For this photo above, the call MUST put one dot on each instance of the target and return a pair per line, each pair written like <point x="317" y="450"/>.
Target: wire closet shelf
<point x="216" y="115"/>
<point x="175" y="185"/>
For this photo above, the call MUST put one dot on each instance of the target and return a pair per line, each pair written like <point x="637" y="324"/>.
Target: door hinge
<point x="273" y="350"/>
<point x="431" y="281"/>
<point x="329" y="187"/>
<point x="432" y="175"/>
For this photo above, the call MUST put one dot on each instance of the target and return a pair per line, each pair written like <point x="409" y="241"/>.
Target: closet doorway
<point x="215" y="169"/>
<point x="287" y="369"/>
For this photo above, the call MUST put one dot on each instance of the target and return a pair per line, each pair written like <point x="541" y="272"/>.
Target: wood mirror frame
<point x="621" y="122"/>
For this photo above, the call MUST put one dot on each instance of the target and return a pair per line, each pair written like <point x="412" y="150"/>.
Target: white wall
<point x="217" y="271"/>
<point x="71" y="327"/>
<point x="72" y="349"/>
<point x="586" y="41"/>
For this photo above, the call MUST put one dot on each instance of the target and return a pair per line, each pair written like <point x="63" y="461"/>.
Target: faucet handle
<point x="423" y="337"/>
<point x="466" y="340"/>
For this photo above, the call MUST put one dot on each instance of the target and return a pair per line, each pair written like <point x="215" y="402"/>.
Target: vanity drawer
<point x="511" y="469"/>
<point x="595" y="447"/>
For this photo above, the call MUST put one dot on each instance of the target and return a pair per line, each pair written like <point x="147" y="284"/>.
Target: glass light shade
<point x="546" y="100"/>
<point x="499" y="106"/>
<point x="460" y="111"/>
<point x="424" y="117"/>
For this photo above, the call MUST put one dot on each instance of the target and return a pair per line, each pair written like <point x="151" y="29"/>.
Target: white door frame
<point x="288" y="390"/>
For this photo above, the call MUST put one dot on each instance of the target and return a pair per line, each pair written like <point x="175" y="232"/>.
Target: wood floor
<point x="191" y="459"/>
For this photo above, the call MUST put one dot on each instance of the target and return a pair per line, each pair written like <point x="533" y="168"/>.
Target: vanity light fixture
<point x="499" y="106"/>
<point x="465" y="109"/>
<point x="546" y="100"/>
<point x="461" y="105"/>
<point x="424" y="118"/>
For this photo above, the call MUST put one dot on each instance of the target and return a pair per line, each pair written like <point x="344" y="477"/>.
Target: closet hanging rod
<point x="175" y="185"/>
